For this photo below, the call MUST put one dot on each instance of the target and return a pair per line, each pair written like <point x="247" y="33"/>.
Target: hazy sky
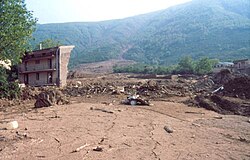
<point x="54" y="11"/>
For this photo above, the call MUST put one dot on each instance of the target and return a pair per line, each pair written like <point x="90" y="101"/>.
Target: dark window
<point x="37" y="76"/>
<point x="25" y="66"/>
<point x="37" y="62"/>
<point x="26" y="78"/>
<point x="50" y="63"/>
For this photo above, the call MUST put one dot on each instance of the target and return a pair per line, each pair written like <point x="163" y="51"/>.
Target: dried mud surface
<point x="125" y="132"/>
<point x="122" y="131"/>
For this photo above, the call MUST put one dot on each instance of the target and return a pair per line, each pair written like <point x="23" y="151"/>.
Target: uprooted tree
<point x="16" y="27"/>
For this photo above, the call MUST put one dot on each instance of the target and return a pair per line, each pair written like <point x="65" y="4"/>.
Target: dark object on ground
<point x="135" y="100"/>
<point x="103" y="110"/>
<point x="49" y="98"/>
<point x="168" y="129"/>
<point x="98" y="149"/>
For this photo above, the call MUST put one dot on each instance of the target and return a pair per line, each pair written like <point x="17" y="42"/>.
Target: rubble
<point x="135" y="100"/>
<point x="223" y="76"/>
<point x="223" y="105"/>
<point x="238" y="87"/>
<point x="222" y="84"/>
<point x="49" y="98"/>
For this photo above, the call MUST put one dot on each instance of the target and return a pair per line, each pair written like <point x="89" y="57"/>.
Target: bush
<point x="8" y="89"/>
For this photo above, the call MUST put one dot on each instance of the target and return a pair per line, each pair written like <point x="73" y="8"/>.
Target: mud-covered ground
<point x="99" y="121"/>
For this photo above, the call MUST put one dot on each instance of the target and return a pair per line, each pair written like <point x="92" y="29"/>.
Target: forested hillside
<point x="214" y="28"/>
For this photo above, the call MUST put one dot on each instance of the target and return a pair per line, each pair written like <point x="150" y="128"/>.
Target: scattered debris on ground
<point x="135" y="100"/>
<point x="154" y="87"/>
<point x="118" y="129"/>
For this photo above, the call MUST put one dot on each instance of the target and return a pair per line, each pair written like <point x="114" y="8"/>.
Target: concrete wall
<point x="63" y="63"/>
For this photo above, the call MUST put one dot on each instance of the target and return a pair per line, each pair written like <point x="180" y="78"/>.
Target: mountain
<point x="214" y="28"/>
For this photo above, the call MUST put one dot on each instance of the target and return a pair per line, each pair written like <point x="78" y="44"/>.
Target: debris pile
<point x="238" y="87"/>
<point x="223" y="105"/>
<point x="223" y="76"/>
<point x="135" y="100"/>
<point x="181" y="86"/>
<point x="49" y="98"/>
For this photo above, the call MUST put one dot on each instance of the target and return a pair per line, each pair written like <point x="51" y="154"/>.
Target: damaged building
<point x="46" y="67"/>
<point x="242" y="66"/>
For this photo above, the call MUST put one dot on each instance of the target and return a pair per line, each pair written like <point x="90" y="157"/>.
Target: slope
<point x="214" y="28"/>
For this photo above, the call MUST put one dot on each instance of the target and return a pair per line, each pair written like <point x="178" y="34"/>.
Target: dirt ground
<point x="89" y="123"/>
<point x="125" y="132"/>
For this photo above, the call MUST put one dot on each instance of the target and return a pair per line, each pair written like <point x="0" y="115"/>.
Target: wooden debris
<point x="103" y="110"/>
<point x="80" y="148"/>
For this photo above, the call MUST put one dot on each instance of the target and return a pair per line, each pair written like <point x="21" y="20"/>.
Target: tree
<point x="205" y="65"/>
<point x="16" y="27"/>
<point x="185" y="65"/>
<point x="48" y="43"/>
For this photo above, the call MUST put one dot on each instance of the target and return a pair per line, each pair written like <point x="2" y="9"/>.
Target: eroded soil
<point x="125" y="132"/>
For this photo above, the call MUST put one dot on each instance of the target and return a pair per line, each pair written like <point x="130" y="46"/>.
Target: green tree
<point x="48" y="43"/>
<point x="16" y="27"/>
<point x="185" y="65"/>
<point x="205" y="65"/>
<point x="8" y="88"/>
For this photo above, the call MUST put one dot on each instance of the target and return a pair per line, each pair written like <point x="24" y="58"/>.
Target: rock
<point x="168" y="129"/>
<point x="98" y="149"/>
<point x="10" y="125"/>
<point x="49" y="98"/>
<point x="43" y="100"/>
